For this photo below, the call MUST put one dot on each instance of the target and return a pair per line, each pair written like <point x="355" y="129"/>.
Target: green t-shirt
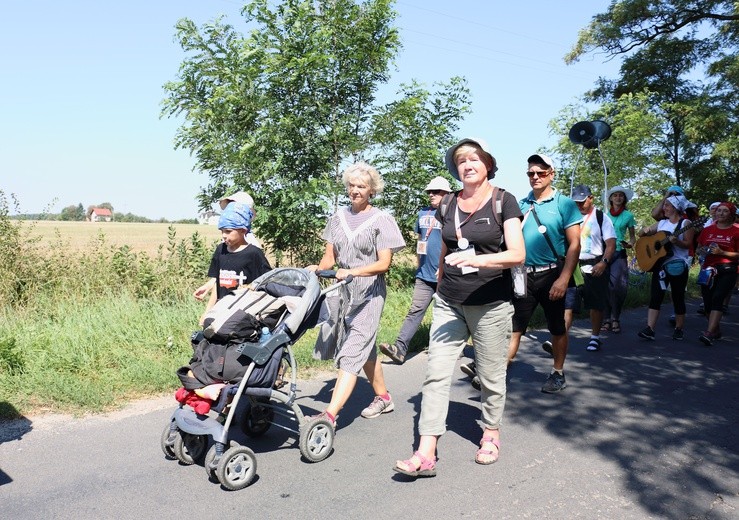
<point x="621" y="224"/>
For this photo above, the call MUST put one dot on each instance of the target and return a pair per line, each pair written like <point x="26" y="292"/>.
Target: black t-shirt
<point x="227" y="268"/>
<point x="483" y="232"/>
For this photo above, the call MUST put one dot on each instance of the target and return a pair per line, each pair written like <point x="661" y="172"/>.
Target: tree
<point x="412" y="135"/>
<point x="73" y="213"/>
<point x="667" y="46"/>
<point x="282" y="111"/>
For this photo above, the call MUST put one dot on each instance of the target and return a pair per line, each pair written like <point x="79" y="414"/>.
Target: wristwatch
<point x="605" y="260"/>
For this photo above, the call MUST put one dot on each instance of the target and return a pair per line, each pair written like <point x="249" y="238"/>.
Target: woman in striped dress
<point x="360" y="240"/>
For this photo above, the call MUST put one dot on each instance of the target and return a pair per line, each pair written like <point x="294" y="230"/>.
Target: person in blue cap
<point x="235" y="262"/>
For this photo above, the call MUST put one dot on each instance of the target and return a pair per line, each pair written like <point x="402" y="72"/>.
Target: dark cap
<point x="580" y="193"/>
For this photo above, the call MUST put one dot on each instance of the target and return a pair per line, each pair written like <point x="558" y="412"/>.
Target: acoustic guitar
<point x="649" y="249"/>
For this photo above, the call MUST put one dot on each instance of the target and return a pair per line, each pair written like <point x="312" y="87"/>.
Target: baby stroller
<point x="186" y="435"/>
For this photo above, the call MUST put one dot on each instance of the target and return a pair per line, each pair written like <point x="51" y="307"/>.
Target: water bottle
<point x="266" y="334"/>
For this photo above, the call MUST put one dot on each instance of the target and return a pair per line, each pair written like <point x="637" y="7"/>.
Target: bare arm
<point x="559" y="287"/>
<point x="600" y="267"/>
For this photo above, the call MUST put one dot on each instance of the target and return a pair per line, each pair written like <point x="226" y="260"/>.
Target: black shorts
<point x="538" y="286"/>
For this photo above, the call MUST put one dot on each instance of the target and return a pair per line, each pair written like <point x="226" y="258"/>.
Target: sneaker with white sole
<point x="377" y="407"/>
<point x="469" y="369"/>
<point x="554" y="383"/>
<point x="647" y="333"/>
<point x="548" y="348"/>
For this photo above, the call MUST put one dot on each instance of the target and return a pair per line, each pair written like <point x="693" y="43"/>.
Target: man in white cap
<point x="428" y="250"/>
<point x="551" y="232"/>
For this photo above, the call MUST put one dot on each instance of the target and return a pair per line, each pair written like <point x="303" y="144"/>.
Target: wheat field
<point x="140" y="237"/>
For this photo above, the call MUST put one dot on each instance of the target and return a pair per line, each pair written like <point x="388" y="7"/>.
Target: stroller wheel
<point x="189" y="448"/>
<point x="257" y="420"/>
<point x="237" y="468"/>
<point x="210" y="468"/>
<point x="316" y="439"/>
<point x="167" y="442"/>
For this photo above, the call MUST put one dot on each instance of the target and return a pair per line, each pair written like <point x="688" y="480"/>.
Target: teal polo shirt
<point x="556" y="214"/>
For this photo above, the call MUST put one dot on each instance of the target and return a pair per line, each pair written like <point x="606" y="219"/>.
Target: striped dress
<point x="351" y="332"/>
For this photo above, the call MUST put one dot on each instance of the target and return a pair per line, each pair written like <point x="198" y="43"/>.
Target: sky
<point x="81" y="91"/>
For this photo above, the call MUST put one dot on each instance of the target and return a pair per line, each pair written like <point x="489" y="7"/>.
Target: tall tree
<point x="686" y="53"/>
<point x="282" y="111"/>
<point x="412" y="134"/>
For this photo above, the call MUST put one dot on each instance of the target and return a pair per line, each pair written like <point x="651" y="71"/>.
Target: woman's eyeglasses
<point x="540" y="174"/>
<point x="435" y="192"/>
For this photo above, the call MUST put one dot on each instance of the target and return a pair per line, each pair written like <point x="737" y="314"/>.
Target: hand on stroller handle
<point x="330" y="273"/>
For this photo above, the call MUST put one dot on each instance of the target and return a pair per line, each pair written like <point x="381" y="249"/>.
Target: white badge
<point x="463" y="243"/>
<point x="542" y="229"/>
<point x="421" y="247"/>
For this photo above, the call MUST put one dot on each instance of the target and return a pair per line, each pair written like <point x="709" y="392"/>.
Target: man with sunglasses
<point x="551" y="232"/>
<point x="428" y="250"/>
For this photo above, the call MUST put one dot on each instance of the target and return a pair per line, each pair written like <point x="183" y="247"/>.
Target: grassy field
<point x="140" y="237"/>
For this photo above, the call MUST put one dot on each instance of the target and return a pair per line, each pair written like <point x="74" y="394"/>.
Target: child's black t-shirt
<point x="239" y="268"/>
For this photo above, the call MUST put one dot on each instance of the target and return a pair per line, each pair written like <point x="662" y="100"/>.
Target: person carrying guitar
<point x="673" y="269"/>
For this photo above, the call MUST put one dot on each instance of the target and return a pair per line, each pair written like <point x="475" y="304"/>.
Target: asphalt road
<point x="644" y="430"/>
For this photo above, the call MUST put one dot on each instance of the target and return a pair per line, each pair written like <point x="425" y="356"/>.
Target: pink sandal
<point x="427" y="468"/>
<point x="483" y="441"/>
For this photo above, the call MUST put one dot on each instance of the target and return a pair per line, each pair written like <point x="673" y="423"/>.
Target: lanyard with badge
<point x="465" y="249"/>
<point x="421" y="246"/>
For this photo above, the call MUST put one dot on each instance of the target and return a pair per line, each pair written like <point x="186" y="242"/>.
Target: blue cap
<point x="580" y="193"/>
<point x="676" y="190"/>
<point x="237" y="215"/>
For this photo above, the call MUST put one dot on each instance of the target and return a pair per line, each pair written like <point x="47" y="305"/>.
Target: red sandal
<point x="427" y="467"/>
<point x="488" y="440"/>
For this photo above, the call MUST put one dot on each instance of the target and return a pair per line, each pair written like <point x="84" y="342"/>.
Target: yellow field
<point x="138" y="236"/>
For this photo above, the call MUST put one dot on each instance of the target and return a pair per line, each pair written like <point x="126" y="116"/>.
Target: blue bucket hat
<point x="237" y="215"/>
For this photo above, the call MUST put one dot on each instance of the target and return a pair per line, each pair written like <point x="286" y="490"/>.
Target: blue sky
<point x="82" y="86"/>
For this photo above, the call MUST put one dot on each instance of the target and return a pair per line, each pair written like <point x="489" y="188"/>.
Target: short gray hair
<point x="362" y="169"/>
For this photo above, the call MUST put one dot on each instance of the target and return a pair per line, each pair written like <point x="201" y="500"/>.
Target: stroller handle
<point x="330" y="273"/>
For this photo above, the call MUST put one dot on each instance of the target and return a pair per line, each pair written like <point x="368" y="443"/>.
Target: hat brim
<point x="452" y="167"/>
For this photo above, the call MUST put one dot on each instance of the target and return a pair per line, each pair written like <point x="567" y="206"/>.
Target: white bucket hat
<point x="629" y="194"/>
<point x="240" y="196"/>
<point x="439" y="183"/>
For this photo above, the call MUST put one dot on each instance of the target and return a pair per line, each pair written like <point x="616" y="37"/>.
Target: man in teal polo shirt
<point x="551" y="231"/>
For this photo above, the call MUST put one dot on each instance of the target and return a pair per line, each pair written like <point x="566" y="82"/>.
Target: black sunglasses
<point x="435" y="192"/>
<point x="540" y="174"/>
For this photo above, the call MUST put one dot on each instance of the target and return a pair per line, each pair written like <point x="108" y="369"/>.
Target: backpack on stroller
<point x="247" y="371"/>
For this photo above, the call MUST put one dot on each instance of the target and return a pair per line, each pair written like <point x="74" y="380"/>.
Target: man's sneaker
<point x="647" y="333"/>
<point x="377" y="407"/>
<point x="392" y="352"/>
<point x="469" y="369"/>
<point x="702" y="309"/>
<point x="554" y="383"/>
<point x="678" y="334"/>
<point x="672" y="320"/>
<point x="547" y="346"/>
<point x="476" y="383"/>
<point x="706" y="338"/>
<point x="593" y="345"/>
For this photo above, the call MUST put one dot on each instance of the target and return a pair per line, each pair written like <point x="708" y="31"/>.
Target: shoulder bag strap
<point x="546" y="235"/>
